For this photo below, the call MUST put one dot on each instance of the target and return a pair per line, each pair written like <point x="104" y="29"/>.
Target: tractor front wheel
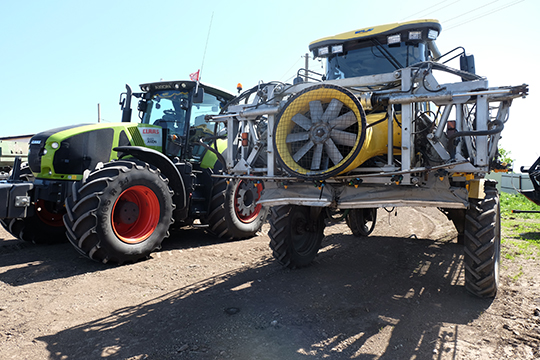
<point x="295" y="235"/>
<point x="120" y="213"/>
<point x="44" y="227"/>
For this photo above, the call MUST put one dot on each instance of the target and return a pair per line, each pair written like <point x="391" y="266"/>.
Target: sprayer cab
<point x="381" y="49"/>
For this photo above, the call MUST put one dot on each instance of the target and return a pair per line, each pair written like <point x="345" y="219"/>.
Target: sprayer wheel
<point x="362" y="221"/>
<point x="483" y="243"/>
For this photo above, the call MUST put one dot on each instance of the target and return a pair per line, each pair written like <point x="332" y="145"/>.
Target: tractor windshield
<point x="168" y="110"/>
<point x="183" y="125"/>
<point x="374" y="59"/>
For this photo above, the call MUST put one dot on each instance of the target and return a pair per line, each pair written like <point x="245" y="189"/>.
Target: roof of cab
<point x="185" y="84"/>
<point x="374" y="31"/>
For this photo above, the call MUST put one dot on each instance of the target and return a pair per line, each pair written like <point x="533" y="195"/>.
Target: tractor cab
<point x="379" y="49"/>
<point x="178" y="108"/>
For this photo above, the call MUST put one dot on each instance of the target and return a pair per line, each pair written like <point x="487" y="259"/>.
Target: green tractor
<point x="116" y="190"/>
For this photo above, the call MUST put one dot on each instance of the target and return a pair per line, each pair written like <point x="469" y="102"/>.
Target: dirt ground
<point x="396" y="295"/>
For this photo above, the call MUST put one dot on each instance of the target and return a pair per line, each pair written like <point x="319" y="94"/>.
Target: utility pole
<point x="306" y="66"/>
<point x="98" y="113"/>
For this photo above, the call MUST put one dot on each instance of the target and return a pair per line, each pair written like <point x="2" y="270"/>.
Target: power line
<point x="439" y="9"/>
<point x="485" y="14"/>
<point x="424" y="10"/>
<point x="468" y="12"/>
<point x="282" y="76"/>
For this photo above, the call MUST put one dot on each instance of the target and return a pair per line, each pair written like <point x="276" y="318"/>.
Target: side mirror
<point x="198" y="96"/>
<point x="142" y="105"/>
<point x="125" y="104"/>
<point x="466" y="63"/>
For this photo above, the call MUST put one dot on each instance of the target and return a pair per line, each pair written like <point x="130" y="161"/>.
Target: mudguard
<point x="164" y="164"/>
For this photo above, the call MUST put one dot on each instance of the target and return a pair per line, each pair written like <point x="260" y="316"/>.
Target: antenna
<point x="206" y="45"/>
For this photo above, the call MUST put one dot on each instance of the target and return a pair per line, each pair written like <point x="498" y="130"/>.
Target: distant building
<point x="21" y="138"/>
<point x="10" y="148"/>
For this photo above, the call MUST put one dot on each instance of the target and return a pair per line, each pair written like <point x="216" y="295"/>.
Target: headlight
<point x="322" y="51"/>
<point x="415" y="35"/>
<point x="337" y="49"/>
<point x="393" y="39"/>
<point x="55" y="145"/>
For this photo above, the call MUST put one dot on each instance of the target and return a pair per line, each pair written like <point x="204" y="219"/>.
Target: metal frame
<point x="413" y="89"/>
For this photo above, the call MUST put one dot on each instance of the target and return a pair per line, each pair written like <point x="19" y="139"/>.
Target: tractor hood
<point x="64" y="153"/>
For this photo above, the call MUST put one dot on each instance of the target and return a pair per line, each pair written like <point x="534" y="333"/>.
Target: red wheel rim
<point x="144" y="214"/>
<point x="246" y="195"/>
<point x="49" y="216"/>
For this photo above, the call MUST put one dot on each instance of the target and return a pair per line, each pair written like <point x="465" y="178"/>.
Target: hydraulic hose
<point x="499" y="127"/>
<point x="496" y="130"/>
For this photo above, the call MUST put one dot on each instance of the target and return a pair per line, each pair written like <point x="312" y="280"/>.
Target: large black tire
<point x="482" y="242"/>
<point x="295" y="238"/>
<point x="234" y="213"/>
<point x="362" y="221"/>
<point x="44" y="227"/>
<point x="120" y="213"/>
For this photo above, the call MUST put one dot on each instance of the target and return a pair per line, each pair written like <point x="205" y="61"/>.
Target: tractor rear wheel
<point x="483" y="243"/>
<point x="295" y="237"/>
<point x="362" y="221"/>
<point x="44" y="227"/>
<point x="234" y="212"/>
<point x="120" y="213"/>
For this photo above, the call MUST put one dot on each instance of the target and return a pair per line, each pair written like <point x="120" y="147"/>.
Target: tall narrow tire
<point x="44" y="227"/>
<point x="482" y="243"/>
<point x="295" y="237"/>
<point x="120" y="213"/>
<point x="362" y="221"/>
<point x="234" y="212"/>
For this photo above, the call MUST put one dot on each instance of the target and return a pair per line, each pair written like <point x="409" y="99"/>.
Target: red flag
<point x="194" y="76"/>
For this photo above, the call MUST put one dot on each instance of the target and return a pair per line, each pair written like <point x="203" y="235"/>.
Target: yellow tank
<point x="323" y="131"/>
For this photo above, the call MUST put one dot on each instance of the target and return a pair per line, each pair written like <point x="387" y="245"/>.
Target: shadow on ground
<point x="32" y="263"/>
<point x="384" y="297"/>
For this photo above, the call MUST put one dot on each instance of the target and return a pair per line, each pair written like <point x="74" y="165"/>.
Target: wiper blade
<point x="391" y="59"/>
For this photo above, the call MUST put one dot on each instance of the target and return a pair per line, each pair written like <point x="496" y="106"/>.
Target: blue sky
<point x="61" y="58"/>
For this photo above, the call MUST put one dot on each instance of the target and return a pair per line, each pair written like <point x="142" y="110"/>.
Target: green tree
<point x="504" y="157"/>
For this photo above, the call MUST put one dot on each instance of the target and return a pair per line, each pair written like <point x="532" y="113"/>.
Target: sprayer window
<point x="374" y="59"/>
